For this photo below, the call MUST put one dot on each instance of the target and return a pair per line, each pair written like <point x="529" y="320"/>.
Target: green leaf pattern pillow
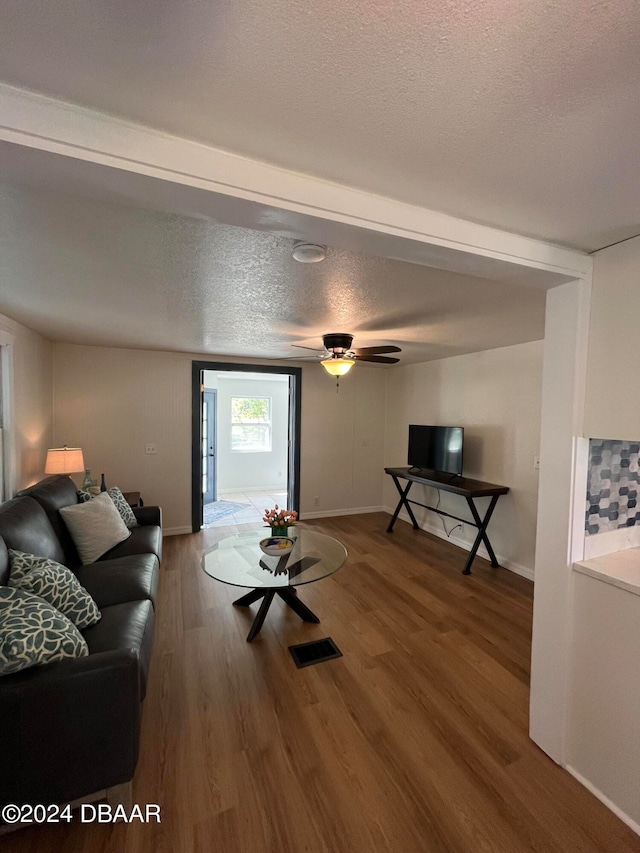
<point x="32" y="632"/>
<point x="56" y="584"/>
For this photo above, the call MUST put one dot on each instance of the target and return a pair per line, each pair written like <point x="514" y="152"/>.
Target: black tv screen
<point x="436" y="448"/>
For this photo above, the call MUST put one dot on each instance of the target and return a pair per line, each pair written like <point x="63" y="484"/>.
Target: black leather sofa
<point x="71" y="728"/>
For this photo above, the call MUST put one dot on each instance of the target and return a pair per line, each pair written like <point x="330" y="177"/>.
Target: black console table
<point x="469" y="489"/>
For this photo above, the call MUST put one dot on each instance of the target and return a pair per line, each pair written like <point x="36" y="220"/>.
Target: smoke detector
<point x="308" y="253"/>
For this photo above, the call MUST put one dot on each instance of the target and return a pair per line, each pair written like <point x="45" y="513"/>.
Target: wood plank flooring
<point x="415" y="741"/>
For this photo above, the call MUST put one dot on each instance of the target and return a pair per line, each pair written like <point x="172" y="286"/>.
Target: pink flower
<point x="277" y="517"/>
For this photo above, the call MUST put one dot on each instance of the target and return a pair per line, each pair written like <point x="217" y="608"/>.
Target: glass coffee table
<point x="239" y="561"/>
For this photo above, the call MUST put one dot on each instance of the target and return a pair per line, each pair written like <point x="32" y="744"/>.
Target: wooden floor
<point x="415" y="740"/>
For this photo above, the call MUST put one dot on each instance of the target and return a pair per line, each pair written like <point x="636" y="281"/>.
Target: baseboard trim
<point x="430" y="527"/>
<point x="176" y="531"/>
<point x="241" y="491"/>
<point x="328" y="513"/>
<point x="624" y="817"/>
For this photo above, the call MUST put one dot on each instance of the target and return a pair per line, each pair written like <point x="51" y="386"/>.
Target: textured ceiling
<point x="514" y="113"/>
<point x="95" y="272"/>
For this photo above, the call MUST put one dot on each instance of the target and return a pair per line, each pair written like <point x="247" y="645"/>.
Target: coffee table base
<point x="287" y="594"/>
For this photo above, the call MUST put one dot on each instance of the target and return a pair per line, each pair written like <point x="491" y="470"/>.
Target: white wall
<point x="612" y="407"/>
<point x="342" y="439"/>
<point x="257" y="470"/>
<point x="31" y="418"/>
<point x="496" y="397"/>
<point x="558" y="513"/>
<point x="111" y="402"/>
<point x="602" y="690"/>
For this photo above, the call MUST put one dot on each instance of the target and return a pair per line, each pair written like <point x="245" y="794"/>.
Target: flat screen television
<point x="436" y="448"/>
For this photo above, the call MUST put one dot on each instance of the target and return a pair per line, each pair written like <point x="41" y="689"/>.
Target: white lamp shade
<point x="64" y="460"/>
<point x="338" y="366"/>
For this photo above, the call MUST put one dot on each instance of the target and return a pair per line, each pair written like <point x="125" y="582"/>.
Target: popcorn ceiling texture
<point x="153" y="280"/>
<point x="521" y="115"/>
<point x="612" y="486"/>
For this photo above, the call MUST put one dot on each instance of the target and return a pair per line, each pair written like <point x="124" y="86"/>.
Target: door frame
<point x="212" y="427"/>
<point x="295" y="412"/>
<point x="8" y="463"/>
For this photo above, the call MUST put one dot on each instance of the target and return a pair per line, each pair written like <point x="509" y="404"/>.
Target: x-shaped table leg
<point x="402" y="502"/>
<point x="287" y="594"/>
<point x="482" y="534"/>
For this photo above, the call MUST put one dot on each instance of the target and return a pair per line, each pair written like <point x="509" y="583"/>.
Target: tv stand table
<point x="467" y="488"/>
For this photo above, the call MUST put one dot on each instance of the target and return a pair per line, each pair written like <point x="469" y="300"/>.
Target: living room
<point x="103" y="222"/>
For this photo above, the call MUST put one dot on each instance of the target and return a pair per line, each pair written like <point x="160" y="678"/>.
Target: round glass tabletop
<point x="238" y="560"/>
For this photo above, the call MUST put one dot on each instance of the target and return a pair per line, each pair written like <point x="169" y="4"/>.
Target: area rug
<point x="219" y="509"/>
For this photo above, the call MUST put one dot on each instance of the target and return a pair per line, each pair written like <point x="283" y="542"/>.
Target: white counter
<point x="621" y="569"/>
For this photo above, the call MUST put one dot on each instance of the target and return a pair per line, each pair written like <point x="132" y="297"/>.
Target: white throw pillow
<point x="95" y="527"/>
<point x="128" y="515"/>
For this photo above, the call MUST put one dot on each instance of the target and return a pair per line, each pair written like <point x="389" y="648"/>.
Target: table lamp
<point x="64" y="460"/>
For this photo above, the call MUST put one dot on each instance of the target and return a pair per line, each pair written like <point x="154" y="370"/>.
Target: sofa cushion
<point x="24" y="526"/>
<point x="120" y="502"/>
<point x="145" y="539"/>
<point x="127" y="626"/>
<point x="52" y="493"/>
<point x="96" y="526"/>
<point x="54" y="583"/>
<point x="133" y="578"/>
<point x="32" y="632"/>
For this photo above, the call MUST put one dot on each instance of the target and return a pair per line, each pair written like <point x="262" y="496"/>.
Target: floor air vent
<point x="317" y="651"/>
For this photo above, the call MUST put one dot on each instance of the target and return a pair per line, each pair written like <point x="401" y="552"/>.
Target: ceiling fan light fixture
<point x="308" y="253"/>
<point x="338" y="366"/>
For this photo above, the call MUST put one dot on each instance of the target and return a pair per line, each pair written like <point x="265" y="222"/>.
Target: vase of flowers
<point x="279" y="520"/>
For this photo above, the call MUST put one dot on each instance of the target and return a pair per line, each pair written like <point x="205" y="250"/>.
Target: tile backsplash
<point x="612" y="486"/>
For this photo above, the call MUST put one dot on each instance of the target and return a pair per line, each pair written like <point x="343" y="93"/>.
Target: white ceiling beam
<point x="47" y="124"/>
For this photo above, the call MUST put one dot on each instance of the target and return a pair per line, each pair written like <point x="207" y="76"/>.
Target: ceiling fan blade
<point x="313" y="349"/>
<point x="375" y="350"/>
<point x="379" y="359"/>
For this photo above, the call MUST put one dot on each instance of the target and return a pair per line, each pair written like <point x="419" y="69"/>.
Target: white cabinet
<point x="603" y="733"/>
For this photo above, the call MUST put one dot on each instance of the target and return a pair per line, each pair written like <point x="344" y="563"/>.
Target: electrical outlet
<point x="150" y="449"/>
<point x="316" y="500"/>
<point x="536" y="462"/>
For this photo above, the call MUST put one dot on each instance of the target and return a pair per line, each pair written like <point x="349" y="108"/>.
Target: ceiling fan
<point x="339" y="356"/>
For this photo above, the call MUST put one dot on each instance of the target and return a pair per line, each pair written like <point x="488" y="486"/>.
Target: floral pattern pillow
<point x="56" y="584"/>
<point x="119" y="500"/>
<point x="32" y="632"/>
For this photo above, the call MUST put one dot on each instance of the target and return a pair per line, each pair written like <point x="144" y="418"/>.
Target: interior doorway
<point x="246" y="439"/>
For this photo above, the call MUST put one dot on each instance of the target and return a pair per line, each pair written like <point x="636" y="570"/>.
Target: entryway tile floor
<point x="254" y="501"/>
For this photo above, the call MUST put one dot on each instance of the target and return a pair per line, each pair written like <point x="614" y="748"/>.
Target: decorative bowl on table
<point x="277" y="546"/>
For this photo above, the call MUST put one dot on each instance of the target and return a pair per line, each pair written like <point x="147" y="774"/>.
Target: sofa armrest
<point x="148" y="515"/>
<point x="70" y="727"/>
